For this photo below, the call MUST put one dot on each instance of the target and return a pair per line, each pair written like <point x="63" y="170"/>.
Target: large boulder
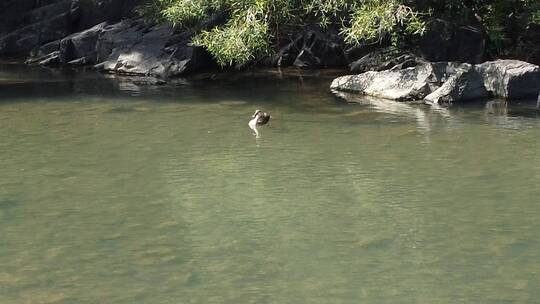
<point x="78" y="47"/>
<point x="155" y="51"/>
<point x="447" y="82"/>
<point x="130" y="47"/>
<point x="511" y="79"/>
<point x="465" y="83"/>
<point x="119" y="36"/>
<point x="413" y="83"/>
<point x="141" y="56"/>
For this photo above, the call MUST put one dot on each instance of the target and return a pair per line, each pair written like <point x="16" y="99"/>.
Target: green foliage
<point x="242" y="38"/>
<point x="506" y="21"/>
<point x="535" y="17"/>
<point x="373" y="20"/>
<point x="182" y="12"/>
<point x="253" y="25"/>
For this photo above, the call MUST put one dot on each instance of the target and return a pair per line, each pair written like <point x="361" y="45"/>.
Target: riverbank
<point x="73" y="35"/>
<point x="108" y="36"/>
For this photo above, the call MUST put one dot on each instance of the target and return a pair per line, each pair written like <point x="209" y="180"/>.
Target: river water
<point x="117" y="192"/>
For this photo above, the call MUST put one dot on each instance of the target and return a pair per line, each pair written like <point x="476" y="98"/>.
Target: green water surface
<point x="117" y="192"/>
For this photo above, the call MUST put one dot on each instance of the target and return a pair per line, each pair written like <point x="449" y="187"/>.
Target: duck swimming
<point x="258" y="118"/>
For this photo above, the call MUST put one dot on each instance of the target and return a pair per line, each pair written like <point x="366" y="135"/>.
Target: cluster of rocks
<point x="26" y="24"/>
<point x="91" y="33"/>
<point x="128" y="47"/>
<point x="447" y="82"/>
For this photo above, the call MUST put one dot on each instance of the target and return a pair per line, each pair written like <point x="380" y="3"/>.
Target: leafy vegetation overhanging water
<point x="113" y="192"/>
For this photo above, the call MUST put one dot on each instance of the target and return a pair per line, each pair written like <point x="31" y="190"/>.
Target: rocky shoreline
<point x="446" y="65"/>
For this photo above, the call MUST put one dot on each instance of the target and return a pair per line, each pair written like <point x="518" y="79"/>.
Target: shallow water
<point x="117" y="192"/>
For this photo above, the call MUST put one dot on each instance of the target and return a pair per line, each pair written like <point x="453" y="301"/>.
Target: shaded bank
<point x="104" y="33"/>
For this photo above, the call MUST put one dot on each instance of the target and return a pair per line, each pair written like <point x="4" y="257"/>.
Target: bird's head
<point x="257" y="112"/>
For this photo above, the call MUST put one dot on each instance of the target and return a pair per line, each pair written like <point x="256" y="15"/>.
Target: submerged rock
<point x="447" y="82"/>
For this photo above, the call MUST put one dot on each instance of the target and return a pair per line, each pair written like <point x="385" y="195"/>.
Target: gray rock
<point x="140" y="54"/>
<point x="397" y="84"/>
<point x="26" y="25"/>
<point x="511" y="79"/>
<point x="23" y="40"/>
<point x="79" y="47"/>
<point x="84" y="43"/>
<point x="135" y="49"/>
<point x="465" y="84"/>
<point x="119" y="36"/>
<point x="44" y="49"/>
<point x="447" y="82"/>
<point x="46" y="60"/>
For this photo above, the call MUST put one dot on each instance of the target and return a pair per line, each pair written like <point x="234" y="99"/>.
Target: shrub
<point x="253" y="25"/>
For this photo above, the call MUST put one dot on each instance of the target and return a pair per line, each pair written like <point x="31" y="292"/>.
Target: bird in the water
<point x="258" y="118"/>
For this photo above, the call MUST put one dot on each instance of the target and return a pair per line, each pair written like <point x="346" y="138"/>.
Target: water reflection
<point x="424" y="115"/>
<point x="496" y="112"/>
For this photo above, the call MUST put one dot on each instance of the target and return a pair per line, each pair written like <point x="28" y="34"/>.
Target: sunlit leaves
<point x="238" y="42"/>
<point x="371" y="21"/>
<point x="253" y="24"/>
